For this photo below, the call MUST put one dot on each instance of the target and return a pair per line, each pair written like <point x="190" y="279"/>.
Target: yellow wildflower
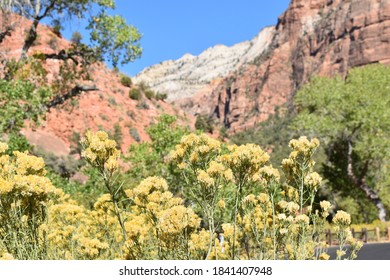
<point x="324" y="256"/>
<point x="215" y="169"/>
<point x="313" y="180"/>
<point x="249" y="199"/>
<point x="340" y="253"/>
<point x="6" y="257"/>
<point x="325" y="205"/>
<point x="3" y="147"/>
<point x="221" y="204"/>
<point x="270" y="173"/>
<point x="29" y="165"/>
<point x="292" y="207"/>
<point x="282" y="217"/>
<point x="111" y="164"/>
<point x="263" y="198"/>
<point x="174" y="220"/>
<point x="283" y="231"/>
<point x="342" y="218"/>
<point x="98" y="149"/>
<point x="302" y="219"/>
<point x="6" y="186"/>
<point x="204" y="178"/>
<point x="228" y="229"/>
<point x="282" y="204"/>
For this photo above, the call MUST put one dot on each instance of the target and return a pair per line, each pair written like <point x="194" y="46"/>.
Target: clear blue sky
<point x="172" y="28"/>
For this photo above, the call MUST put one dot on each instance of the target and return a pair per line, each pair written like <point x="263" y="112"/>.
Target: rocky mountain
<point x="313" y="37"/>
<point x="191" y="74"/>
<point x="109" y="107"/>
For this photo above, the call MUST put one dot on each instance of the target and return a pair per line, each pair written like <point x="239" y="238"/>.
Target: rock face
<point x="191" y="74"/>
<point x="108" y="108"/>
<point x="313" y="37"/>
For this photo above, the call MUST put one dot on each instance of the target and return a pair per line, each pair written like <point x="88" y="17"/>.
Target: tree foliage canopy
<point x="25" y="90"/>
<point x="20" y="100"/>
<point x="353" y="117"/>
<point x="111" y="37"/>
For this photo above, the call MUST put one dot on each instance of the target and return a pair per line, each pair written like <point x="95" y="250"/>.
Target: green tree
<point x="352" y="116"/>
<point x="204" y="123"/>
<point x="76" y="38"/>
<point x="20" y="100"/>
<point x="150" y="158"/>
<point x="111" y="37"/>
<point x="25" y="90"/>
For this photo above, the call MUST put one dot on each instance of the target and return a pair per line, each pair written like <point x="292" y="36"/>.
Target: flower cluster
<point x="23" y="176"/>
<point x="194" y="149"/>
<point x="6" y="257"/>
<point x="3" y="148"/>
<point x="175" y="219"/>
<point x="157" y="220"/>
<point x="247" y="158"/>
<point x="313" y="180"/>
<point x="342" y="218"/>
<point x="77" y="233"/>
<point x="301" y="155"/>
<point x="270" y="174"/>
<point x="100" y="151"/>
<point x="325" y="206"/>
<point x="303" y="146"/>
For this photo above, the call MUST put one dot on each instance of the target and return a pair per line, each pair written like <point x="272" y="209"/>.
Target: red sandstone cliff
<point x="313" y="37"/>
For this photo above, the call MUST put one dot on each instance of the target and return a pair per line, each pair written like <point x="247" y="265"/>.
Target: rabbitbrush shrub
<point x="231" y="204"/>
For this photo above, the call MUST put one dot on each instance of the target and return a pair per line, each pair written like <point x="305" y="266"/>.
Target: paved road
<point x="370" y="251"/>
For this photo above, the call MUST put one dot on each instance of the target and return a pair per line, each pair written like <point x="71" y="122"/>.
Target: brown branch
<point x="350" y="172"/>
<point x="77" y="53"/>
<point x="47" y="10"/>
<point x="31" y="37"/>
<point x="6" y="32"/>
<point x="32" y="33"/>
<point x="58" y="100"/>
<point x="62" y="55"/>
<point x="77" y="90"/>
<point x="361" y="183"/>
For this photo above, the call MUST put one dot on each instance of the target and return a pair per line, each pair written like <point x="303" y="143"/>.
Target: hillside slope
<point x="109" y="107"/>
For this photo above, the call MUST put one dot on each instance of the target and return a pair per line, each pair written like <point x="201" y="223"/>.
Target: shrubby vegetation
<point x="204" y="123"/>
<point x="161" y="96"/>
<point x="126" y="80"/>
<point x="228" y="203"/>
<point x="76" y="38"/>
<point x="142" y="89"/>
<point x="135" y="94"/>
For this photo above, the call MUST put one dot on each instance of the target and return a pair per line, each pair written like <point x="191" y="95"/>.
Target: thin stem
<point x="273" y="225"/>
<point x="211" y="229"/>
<point x="108" y="183"/>
<point x="235" y="220"/>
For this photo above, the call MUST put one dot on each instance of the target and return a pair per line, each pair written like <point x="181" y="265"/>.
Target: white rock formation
<point x="188" y="75"/>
